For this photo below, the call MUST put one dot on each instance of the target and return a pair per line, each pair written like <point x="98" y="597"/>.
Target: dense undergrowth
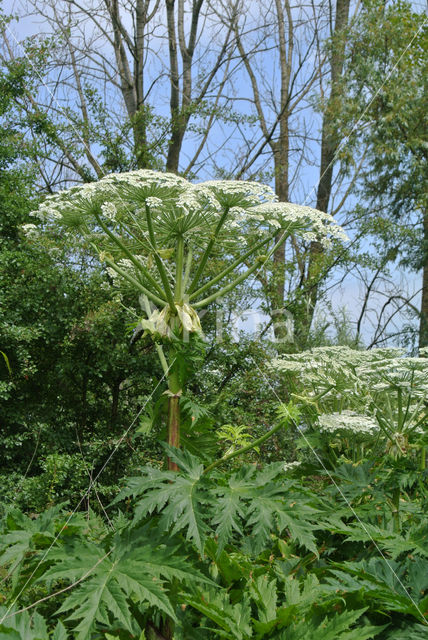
<point x="254" y="550"/>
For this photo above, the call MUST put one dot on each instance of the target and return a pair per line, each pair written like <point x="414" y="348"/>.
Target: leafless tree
<point x="111" y="67"/>
<point x="224" y="88"/>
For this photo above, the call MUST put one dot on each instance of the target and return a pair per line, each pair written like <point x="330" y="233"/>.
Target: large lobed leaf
<point x="248" y="503"/>
<point x="134" y="569"/>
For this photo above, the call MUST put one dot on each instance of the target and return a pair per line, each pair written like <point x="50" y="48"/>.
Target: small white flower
<point x="124" y="263"/>
<point x="109" y="210"/>
<point x="291" y="465"/>
<point x="153" y="202"/>
<point x="112" y="273"/>
<point x="30" y="230"/>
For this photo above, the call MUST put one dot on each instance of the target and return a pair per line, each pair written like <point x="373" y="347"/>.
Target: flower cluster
<point x="247" y="203"/>
<point x="109" y="210"/>
<point x="30" y="230"/>
<point x="347" y="421"/>
<point x="358" y="389"/>
<point x="147" y="227"/>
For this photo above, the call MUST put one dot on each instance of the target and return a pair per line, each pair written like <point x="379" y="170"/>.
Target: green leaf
<point x="136" y="568"/>
<point x="263" y="592"/>
<point x="179" y="498"/>
<point x="59" y="633"/>
<point x="385" y="581"/>
<point x="230" y="507"/>
<point x="93" y="601"/>
<point x="23" y="536"/>
<point x="334" y="628"/>
<point x="22" y="626"/>
<point x="6" y="359"/>
<point x="409" y="632"/>
<point x="232" y="618"/>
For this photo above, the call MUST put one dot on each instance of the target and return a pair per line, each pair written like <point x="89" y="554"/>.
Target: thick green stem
<point x="158" y="260"/>
<point x="231" y="267"/>
<point x="173" y="427"/>
<point x="161" y="356"/>
<point x="400" y="409"/>
<point x="179" y="270"/>
<point x="187" y="268"/>
<point x="247" y="447"/>
<point x="207" y="251"/>
<point x="423" y="459"/>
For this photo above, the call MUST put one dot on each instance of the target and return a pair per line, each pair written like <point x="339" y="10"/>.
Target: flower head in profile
<point x="156" y="232"/>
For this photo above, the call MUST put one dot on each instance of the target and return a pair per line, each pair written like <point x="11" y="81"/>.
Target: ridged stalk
<point x="396" y="509"/>
<point x="174" y="393"/>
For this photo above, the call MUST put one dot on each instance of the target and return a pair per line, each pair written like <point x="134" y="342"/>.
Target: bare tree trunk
<point x="281" y="149"/>
<point x="180" y="113"/>
<point x="139" y="122"/>
<point x="329" y="146"/>
<point x="176" y="138"/>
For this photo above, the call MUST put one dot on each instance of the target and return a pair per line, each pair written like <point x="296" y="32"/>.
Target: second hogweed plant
<point x="157" y="232"/>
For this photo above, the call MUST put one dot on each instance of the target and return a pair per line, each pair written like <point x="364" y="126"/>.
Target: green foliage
<point x="278" y="607"/>
<point x="395" y="60"/>
<point x="235" y="436"/>
<point x="238" y="555"/>
<point x="398" y="587"/>
<point x="248" y="503"/>
<point x="131" y="569"/>
<point x="26" y="538"/>
<point x="24" y="626"/>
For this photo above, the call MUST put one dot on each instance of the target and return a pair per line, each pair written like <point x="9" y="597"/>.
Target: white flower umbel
<point x="147" y="226"/>
<point x="109" y="210"/>
<point x="30" y="230"/>
<point x="355" y="387"/>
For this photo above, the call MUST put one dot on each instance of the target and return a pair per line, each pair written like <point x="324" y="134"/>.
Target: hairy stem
<point x="179" y="270"/>
<point x="174" y="393"/>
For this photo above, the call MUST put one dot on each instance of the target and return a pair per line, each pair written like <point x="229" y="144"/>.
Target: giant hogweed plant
<point x="369" y="393"/>
<point x="364" y="403"/>
<point x="157" y="233"/>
